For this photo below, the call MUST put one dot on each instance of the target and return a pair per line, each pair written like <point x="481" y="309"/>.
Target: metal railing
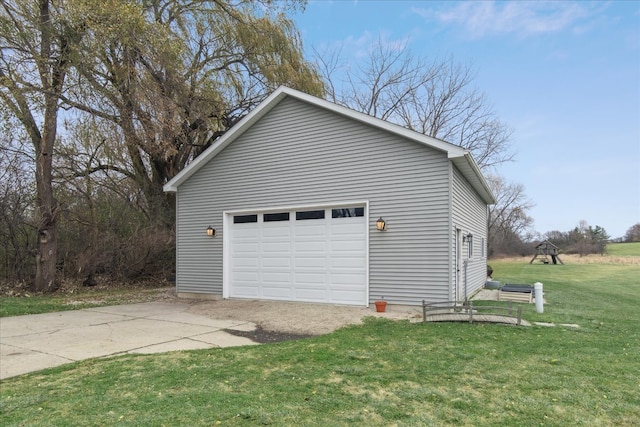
<point x="466" y="311"/>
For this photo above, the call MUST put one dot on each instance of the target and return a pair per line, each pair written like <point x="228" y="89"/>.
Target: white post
<point x="537" y="287"/>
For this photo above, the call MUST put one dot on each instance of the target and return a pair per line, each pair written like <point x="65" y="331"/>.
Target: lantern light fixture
<point x="381" y="225"/>
<point x="211" y="232"/>
<point x="468" y="238"/>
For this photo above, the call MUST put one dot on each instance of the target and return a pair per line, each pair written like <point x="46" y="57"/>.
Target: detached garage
<point x="304" y="200"/>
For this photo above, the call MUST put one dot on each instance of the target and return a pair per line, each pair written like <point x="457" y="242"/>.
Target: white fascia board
<point x="488" y="196"/>
<point x="470" y="170"/>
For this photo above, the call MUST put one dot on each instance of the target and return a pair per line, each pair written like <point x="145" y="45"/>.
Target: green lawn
<point x="624" y="249"/>
<point x="381" y="373"/>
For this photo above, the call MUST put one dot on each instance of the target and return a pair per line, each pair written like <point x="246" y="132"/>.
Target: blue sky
<point x="565" y="76"/>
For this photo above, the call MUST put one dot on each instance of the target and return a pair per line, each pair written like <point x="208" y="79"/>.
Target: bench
<point x="515" y="296"/>
<point x="516" y="293"/>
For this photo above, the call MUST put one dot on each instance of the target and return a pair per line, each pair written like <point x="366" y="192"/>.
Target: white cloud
<point x="521" y="18"/>
<point x="360" y="46"/>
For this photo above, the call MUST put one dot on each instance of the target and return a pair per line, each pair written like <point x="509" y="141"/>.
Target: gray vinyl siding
<point x="469" y="214"/>
<point x="297" y="155"/>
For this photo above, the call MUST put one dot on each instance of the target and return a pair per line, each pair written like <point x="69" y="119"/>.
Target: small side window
<point x="243" y="219"/>
<point x="302" y="215"/>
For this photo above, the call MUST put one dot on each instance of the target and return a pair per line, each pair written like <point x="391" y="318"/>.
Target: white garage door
<point x="312" y="255"/>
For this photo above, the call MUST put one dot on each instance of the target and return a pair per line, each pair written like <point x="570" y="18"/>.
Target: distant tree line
<point x="583" y="239"/>
<point x="632" y="234"/>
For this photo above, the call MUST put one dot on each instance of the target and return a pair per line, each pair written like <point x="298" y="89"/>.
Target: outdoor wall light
<point x="381" y="224"/>
<point x="211" y="231"/>
<point x="468" y="238"/>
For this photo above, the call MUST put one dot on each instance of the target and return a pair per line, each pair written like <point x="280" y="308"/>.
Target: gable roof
<point x="460" y="157"/>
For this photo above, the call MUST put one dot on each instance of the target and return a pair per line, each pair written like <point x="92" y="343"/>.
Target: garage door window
<point x="302" y="215"/>
<point x="272" y="217"/>
<point x="347" y="212"/>
<point x="243" y="219"/>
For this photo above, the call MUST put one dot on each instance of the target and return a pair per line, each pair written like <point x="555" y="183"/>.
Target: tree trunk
<point x="52" y="70"/>
<point x="46" y="257"/>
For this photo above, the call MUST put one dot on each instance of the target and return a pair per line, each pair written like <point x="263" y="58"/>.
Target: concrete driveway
<point x="34" y="342"/>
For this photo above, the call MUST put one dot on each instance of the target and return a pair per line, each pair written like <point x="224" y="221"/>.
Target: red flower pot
<point x="381" y="306"/>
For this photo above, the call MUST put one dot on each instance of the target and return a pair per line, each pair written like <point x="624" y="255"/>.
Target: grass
<point x="624" y="249"/>
<point x="74" y="299"/>
<point x="380" y="373"/>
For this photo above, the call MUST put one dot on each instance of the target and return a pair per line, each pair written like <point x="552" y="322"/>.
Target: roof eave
<point x="470" y="170"/>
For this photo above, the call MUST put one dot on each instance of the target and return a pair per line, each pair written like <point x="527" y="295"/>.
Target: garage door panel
<point x="346" y="226"/>
<point x="349" y="262"/>
<point x="245" y="248"/>
<point x="338" y="245"/>
<point x="311" y="295"/>
<point x="347" y="280"/>
<point x="301" y="262"/>
<point x="346" y="253"/>
<point x="304" y="229"/>
<point x="245" y="290"/>
<point x="312" y="246"/>
<point x="346" y="297"/>
<point x="277" y="230"/>
<point x="276" y="247"/>
<point x="245" y="231"/>
<point x="276" y="262"/>
<point x="244" y="276"/>
<point x="346" y="230"/>
<point x="276" y="292"/>
<point x="280" y="278"/>
<point x="244" y="262"/>
<point x="309" y="279"/>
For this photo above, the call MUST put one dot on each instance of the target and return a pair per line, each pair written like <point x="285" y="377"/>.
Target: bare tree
<point x="509" y="223"/>
<point x="434" y="98"/>
<point x="36" y="48"/>
<point x="16" y="208"/>
<point x="104" y="229"/>
<point x="633" y="233"/>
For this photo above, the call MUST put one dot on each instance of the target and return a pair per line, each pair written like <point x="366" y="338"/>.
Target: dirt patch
<point x="263" y="336"/>
<point x="296" y="318"/>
